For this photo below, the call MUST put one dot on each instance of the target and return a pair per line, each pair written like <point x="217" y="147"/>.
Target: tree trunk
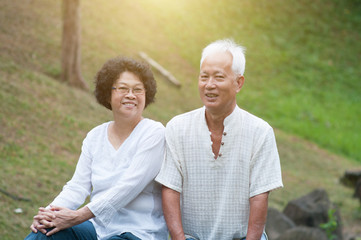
<point x="70" y="56"/>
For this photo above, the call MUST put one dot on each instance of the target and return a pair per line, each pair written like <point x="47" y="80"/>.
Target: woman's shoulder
<point x="98" y="130"/>
<point x="148" y="127"/>
<point x="148" y="123"/>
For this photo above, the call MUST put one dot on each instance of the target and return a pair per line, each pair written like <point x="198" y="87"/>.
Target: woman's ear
<point x="110" y="99"/>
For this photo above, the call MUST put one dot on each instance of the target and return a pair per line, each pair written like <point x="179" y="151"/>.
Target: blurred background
<point x="302" y="76"/>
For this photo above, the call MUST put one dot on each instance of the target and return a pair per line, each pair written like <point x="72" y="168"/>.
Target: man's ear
<point x="239" y="82"/>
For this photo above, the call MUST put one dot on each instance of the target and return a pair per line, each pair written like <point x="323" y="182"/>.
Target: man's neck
<point x="215" y="123"/>
<point x="215" y="119"/>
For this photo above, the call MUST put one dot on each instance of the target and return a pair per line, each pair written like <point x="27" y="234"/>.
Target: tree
<point x="70" y="54"/>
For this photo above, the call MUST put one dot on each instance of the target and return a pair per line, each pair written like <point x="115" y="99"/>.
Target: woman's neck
<point x="120" y="129"/>
<point x="125" y="125"/>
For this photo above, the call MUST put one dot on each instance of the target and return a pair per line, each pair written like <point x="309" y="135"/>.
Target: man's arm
<point x="172" y="213"/>
<point x="257" y="216"/>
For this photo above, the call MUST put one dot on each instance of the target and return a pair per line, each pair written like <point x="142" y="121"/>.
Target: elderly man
<point x="221" y="161"/>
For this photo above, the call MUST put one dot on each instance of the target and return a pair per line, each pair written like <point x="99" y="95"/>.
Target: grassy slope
<point x="302" y="64"/>
<point x="43" y="122"/>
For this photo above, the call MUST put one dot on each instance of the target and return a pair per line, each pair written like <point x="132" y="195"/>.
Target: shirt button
<point x="224" y="133"/>
<point x="222" y="143"/>
<point x="220" y="155"/>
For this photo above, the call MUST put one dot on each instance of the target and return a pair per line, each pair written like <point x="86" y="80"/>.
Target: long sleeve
<point x="78" y="188"/>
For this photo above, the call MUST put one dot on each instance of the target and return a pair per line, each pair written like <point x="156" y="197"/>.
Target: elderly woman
<point x="117" y="167"/>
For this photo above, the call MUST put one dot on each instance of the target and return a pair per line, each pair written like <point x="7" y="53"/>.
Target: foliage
<point x="331" y="225"/>
<point x="357" y="213"/>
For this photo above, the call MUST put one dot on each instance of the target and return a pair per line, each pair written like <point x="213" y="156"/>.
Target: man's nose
<point x="211" y="83"/>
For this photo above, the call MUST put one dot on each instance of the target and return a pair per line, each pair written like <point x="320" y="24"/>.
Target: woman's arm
<point x="65" y="218"/>
<point x="79" y="187"/>
<point x="72" y="195"/>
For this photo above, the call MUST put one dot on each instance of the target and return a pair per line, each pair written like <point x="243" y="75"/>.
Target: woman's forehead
<point x="128" y="78"/>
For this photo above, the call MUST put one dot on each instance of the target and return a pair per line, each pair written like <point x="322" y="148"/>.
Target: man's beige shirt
<point x="215" y="192"/>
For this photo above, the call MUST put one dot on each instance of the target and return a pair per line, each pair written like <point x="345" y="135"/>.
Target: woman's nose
<point x="130" y="94"/>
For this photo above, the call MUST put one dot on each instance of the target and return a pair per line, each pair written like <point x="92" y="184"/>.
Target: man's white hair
<point x="228" y="45"/>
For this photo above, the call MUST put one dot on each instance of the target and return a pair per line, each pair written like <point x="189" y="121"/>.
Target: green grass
<point x="302" y="76"/>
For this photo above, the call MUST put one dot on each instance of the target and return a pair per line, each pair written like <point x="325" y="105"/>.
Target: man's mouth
<point x="211" y="95"/>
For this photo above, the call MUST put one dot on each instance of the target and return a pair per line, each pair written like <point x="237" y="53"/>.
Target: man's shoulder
<point x="185" y="118"/>
<point x="252" y="120"/>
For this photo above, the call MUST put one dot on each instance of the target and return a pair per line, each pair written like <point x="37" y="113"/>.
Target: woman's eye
<point x="138" y="90"/>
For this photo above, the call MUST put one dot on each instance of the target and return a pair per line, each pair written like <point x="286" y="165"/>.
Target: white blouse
<point x="123" y="194"/>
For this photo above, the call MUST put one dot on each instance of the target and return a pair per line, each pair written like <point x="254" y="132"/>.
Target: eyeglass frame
<point x="126" y="90"/>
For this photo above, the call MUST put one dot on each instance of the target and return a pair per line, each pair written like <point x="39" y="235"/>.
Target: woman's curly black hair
<point x="111" y="71"/>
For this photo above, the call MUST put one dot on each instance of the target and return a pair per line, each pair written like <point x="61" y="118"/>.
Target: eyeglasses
<point x="124" y="90"/>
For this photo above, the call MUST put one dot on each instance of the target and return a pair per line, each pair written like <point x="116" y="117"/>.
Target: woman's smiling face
<point x="128" y="103"/>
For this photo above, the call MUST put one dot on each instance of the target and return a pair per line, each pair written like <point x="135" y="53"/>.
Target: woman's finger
<point x="46" y="212"/>
<point x="54" y="230"/>
<point x="46" y="224"/>
<point x="56" y="208"/>
<point x="33" y="229"/>
<point x="46" y="215"/>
